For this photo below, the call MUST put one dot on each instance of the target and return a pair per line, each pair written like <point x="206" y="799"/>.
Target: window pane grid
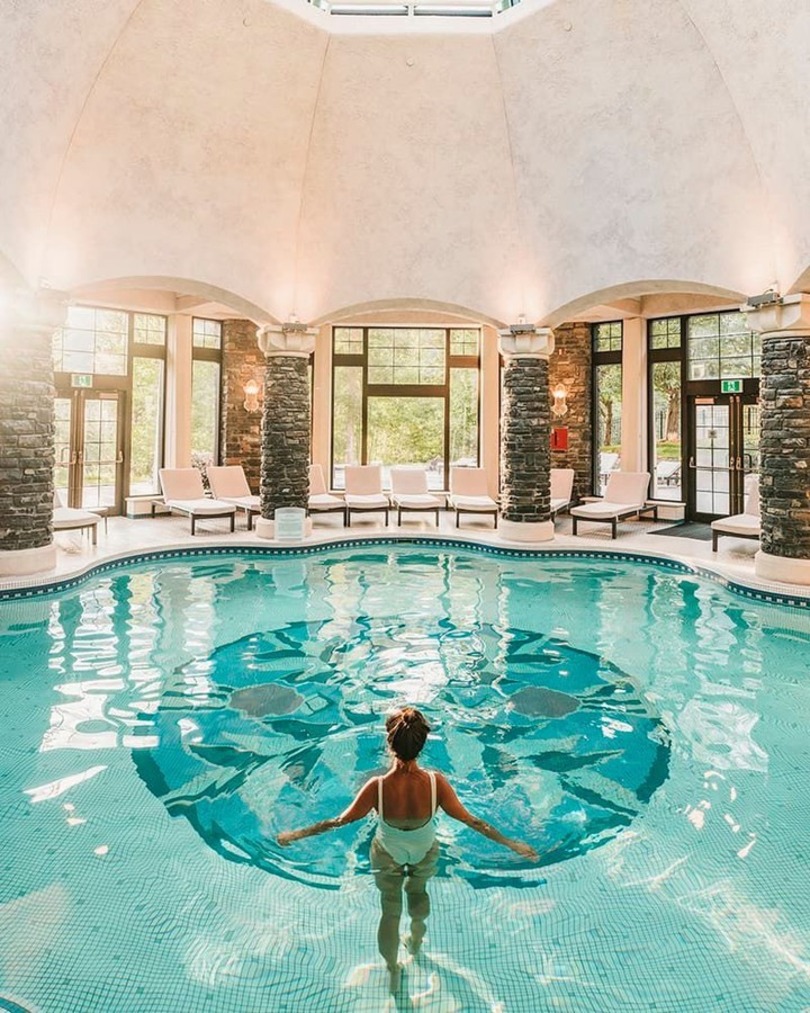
<point x="607" y="337"/>
<point x="720" y="345"/>
<point x="92" y="341"/>
<point x="149" y="329"/>
<point x="206" y="333"/>
<point x="665" y="333"/>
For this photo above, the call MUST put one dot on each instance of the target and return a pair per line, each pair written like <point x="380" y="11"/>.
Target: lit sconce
<point x="251" y="402"/>
<point x="559" y="406"/>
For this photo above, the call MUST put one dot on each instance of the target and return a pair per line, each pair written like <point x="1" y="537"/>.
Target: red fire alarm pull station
<point x="559" y="438"/>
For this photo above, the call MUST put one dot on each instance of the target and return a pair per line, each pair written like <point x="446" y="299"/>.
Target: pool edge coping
<point x="22" y="590"/>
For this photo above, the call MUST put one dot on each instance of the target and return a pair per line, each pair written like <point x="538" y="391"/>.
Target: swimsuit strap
<point x="432" y="777"/>
<point x="380" y="797"/>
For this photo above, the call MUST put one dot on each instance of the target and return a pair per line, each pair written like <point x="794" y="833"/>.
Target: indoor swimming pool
<point x="643" y="727"/>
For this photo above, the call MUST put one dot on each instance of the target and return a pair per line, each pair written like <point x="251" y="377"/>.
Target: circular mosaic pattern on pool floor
<point x="279" y="729"/>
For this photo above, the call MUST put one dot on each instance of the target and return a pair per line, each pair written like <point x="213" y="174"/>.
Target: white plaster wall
<point x="50" y="54"/>
<point x="630" y="160"/>
<point x="762" y="49"/>
<point x="574" y="148"/>
<point x="190" y="155"/>
<point x="408" y="188"/>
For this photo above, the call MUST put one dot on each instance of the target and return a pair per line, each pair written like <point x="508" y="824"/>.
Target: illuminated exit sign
<point x="731" y="386"/>
<point x="81" y="379"/>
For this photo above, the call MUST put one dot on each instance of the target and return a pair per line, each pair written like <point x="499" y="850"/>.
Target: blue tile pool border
<point x="21" y="592"/>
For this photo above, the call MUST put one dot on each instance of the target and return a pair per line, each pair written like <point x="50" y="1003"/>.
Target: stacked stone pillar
<point x="27" y="327"/>
<point x="286" y="421"/>
<point x="785" y="439"/>
<point x="525" y="435"/>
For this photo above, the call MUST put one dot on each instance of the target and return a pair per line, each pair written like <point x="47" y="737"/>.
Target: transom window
<point x="721" y="345"/>
<point x="206" y="333"/>
<point x="92" y="341"/>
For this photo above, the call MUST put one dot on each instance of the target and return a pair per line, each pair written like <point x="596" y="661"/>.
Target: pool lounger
<point x="409" y="492"/>
<point x="748" y="524"/>
<point x="562" y="487"/>
<point x="73" y="519"/>
<point x="320" y="500"/>
<point x="230" y="485"/>
<point x="468" y="493"/>
<point x="364" y="491"/>
<point x="183" y="491"/>
<point x="625" y="496"/>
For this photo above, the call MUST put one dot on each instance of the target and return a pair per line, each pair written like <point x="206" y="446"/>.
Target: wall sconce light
<point x="559" y="406"/>
<point x="251" y="402"/>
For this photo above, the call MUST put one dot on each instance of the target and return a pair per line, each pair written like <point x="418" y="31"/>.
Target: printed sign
<point x="81" y="379"/>
<point x="731" y="386"/>
<point x="289" y="523"/>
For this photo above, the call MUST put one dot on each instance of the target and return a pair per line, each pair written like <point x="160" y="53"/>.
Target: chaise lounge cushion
<point x="229" y="484"/>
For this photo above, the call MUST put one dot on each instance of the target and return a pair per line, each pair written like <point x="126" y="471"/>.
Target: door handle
<point x="738" y="464"/>
<point x="120" y="458"/>
<point x="74" y="457"/>
<point x="692" y="463"/>
<point x="79" y="457"/>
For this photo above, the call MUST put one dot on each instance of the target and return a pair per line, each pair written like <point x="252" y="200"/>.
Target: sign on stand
<point x="289" y="523"/>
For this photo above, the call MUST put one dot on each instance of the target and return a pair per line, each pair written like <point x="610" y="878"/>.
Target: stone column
<point x="286" y="424"/>
<point x="785" y="439"/>
<point x="525" y="435"/>
<point x="27" y="324"/>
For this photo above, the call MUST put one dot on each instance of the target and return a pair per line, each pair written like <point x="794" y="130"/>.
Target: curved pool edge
<point x="766" y="592"/>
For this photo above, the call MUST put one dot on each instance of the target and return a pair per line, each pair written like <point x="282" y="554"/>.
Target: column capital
<point x="291" y="339"/>
<point x="40" y="310"/>
<point x="522" y="341"/>
<point x="790" y="315"/>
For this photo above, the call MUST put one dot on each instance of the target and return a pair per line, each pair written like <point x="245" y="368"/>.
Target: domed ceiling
<point x="308" y="162"/>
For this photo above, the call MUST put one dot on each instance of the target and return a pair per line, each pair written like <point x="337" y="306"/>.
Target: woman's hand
<point x="286" y="837"/>
<point x="524" y="850"/>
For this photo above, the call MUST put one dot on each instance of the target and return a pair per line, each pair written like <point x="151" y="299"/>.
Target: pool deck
<point x="733" y="561"/>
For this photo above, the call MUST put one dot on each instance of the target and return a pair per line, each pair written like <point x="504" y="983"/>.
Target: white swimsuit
<point x="407" y="847"/>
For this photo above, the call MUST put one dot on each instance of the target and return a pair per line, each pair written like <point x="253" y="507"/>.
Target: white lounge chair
<point x="409" y="492"/>
<point x="562" y="488"/>
<point x="321" y="501"/>
<point x="748" y="524"/>
<point x="229" y="484"/>
<point x="364" y="491"/>
<point x="625" y="496"/>
<point x="183" y="491"/>
<point x="469" y="495"/>
<point x="73" y="519"/>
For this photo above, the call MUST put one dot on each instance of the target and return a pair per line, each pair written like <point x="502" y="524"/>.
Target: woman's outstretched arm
<point x="360" y="807"/>
<point x="449" y="801"/>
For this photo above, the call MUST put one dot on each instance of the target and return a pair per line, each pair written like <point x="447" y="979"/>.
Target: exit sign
<point x="81" y="379"/>
<point x="731" y="386"/>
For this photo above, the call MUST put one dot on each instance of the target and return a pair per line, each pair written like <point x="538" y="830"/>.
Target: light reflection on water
<point x="157" y="667"/>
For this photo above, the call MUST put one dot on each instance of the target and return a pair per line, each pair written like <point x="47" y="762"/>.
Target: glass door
<point x="724" y="448"/>
<point x="89" y="449"/>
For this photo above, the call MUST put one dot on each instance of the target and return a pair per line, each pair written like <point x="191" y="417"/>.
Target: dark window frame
<point x="204" y="354"/>
<point x="369" y="390"/>
<point x="601" y="358"/>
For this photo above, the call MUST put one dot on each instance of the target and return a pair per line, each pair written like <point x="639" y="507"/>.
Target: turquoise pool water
<point x="644" y="729"/>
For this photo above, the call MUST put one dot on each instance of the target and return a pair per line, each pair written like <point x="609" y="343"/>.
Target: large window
<point x="206" y="352"/>
<point x="148" y="385"/>
<point x="405" y="396"/>
<point x="665" y="357"/>
<point x="109" y="373"/>
<point x="607" y="387"/>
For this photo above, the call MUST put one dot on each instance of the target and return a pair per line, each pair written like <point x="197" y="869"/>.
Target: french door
<point x="723" y="450"/>
<point x="89" y="441"/>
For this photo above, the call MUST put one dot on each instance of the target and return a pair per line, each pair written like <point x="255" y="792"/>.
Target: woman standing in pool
<point x="405" y="849"/>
